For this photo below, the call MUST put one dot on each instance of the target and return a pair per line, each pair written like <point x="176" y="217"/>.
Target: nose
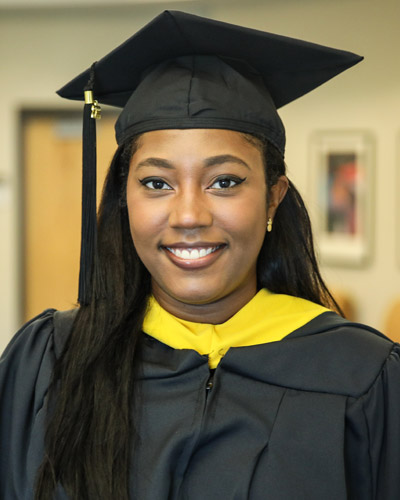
<point x="190" y="210"/>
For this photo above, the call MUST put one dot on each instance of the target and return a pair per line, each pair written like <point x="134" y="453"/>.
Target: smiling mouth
<point x="192" y="253"/>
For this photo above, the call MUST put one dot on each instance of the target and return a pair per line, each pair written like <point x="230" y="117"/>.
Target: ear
<point x="276" y="195"/>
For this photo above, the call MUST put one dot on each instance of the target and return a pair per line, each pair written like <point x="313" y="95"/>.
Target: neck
<point x="214" y="312"/>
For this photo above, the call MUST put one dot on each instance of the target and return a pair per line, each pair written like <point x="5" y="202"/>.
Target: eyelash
<point x="148" y="180"/>
<point x="236" y="180"/>
<point x="229" y="178"/>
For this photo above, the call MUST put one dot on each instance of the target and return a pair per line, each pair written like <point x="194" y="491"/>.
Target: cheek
<point x="246" y="221"/>
<point x="141" y="218"/>
<point x="144" y="218"/>
<point x="141" y="221"/>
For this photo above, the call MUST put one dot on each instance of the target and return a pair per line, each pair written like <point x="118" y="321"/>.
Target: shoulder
<point x="29" y="357"/>
<point x="35" y="334"/>
<point x="345" y="339"/>
<point x="362" y="352"/>
<point x="26" y="368"/>
<point x="328" y="354"/>
<point x="30" y="340"/>
<point x="350" y="356"/>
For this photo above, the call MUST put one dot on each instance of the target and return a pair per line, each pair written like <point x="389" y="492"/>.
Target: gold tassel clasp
<point x="96" y="109"/>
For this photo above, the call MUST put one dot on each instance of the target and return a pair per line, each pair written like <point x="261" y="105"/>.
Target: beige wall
<point x="42" y="49"/>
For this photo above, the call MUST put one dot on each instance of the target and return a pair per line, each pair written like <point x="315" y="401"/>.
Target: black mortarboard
<point x="186" y="71"/>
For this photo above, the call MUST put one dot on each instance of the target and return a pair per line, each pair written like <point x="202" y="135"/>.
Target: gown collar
<point x="267" y="317"/>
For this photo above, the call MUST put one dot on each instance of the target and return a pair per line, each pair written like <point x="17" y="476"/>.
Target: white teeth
<point x="185" y="254"/>
<point x="191" y="253"/>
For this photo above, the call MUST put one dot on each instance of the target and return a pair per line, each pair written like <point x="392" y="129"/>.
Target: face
<point x="198" y="215"/>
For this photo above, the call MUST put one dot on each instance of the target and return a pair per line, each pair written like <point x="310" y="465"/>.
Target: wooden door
<point x="52" y="165"/>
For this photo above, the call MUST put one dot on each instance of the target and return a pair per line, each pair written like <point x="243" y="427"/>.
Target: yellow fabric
<point x="266" y="318"/>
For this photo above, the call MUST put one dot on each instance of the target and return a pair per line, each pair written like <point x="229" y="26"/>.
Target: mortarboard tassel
<point x="91" y="112"/>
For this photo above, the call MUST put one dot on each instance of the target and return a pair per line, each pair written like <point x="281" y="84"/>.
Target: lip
<point x="196" y="263"/>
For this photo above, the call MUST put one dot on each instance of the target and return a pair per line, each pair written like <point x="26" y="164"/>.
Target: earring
<point x="269" y="225"/>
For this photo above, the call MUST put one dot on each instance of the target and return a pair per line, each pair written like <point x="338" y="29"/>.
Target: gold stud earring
<point x="269" y="225"/>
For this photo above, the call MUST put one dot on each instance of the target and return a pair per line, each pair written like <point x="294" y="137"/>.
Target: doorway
<point x="51" y="142"/>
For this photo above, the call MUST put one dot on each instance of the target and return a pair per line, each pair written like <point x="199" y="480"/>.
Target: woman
<point x="204" y="361"/>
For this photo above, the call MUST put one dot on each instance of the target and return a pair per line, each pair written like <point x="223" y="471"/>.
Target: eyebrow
<point x="209" y="162"/>
<point x="154" y="162"/>
<point x="221" y="159"/>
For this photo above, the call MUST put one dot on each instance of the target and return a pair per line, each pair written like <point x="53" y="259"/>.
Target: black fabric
<point x="200" y="92"/>
<point x="314" y="416"/>
<point x="192" y="72"/>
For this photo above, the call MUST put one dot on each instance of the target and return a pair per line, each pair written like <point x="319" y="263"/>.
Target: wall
<point x="41" y="49"/>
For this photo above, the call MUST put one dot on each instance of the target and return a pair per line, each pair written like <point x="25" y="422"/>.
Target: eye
<point x="226" y="182"/>
<point x="155" y="183"/>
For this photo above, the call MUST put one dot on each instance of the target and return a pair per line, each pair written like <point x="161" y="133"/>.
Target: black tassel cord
<point x="89" y="216"/>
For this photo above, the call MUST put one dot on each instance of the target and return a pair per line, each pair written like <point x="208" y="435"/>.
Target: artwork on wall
<point x="341" y="195"/>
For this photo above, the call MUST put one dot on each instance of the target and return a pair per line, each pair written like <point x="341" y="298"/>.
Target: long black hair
<point x="91" y="429"/>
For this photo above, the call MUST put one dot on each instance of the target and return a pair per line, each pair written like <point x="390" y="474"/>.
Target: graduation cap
<point x="186" y="71"/>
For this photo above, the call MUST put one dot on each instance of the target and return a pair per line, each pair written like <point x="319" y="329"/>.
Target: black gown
<point x="315" y="416"/>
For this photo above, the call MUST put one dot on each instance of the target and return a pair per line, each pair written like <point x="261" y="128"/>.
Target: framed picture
<point x="341" y="195"/>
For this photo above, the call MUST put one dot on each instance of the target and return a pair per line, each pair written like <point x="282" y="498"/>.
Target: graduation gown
<point x="314" y="416"/>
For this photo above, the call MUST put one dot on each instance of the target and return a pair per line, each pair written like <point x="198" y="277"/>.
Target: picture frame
<point x="342" y="195"/>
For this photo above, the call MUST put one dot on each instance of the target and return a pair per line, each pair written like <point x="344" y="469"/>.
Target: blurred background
<point x="44" y="43"/>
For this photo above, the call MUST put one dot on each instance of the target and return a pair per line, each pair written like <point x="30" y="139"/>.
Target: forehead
<point x="197" y="143"/>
